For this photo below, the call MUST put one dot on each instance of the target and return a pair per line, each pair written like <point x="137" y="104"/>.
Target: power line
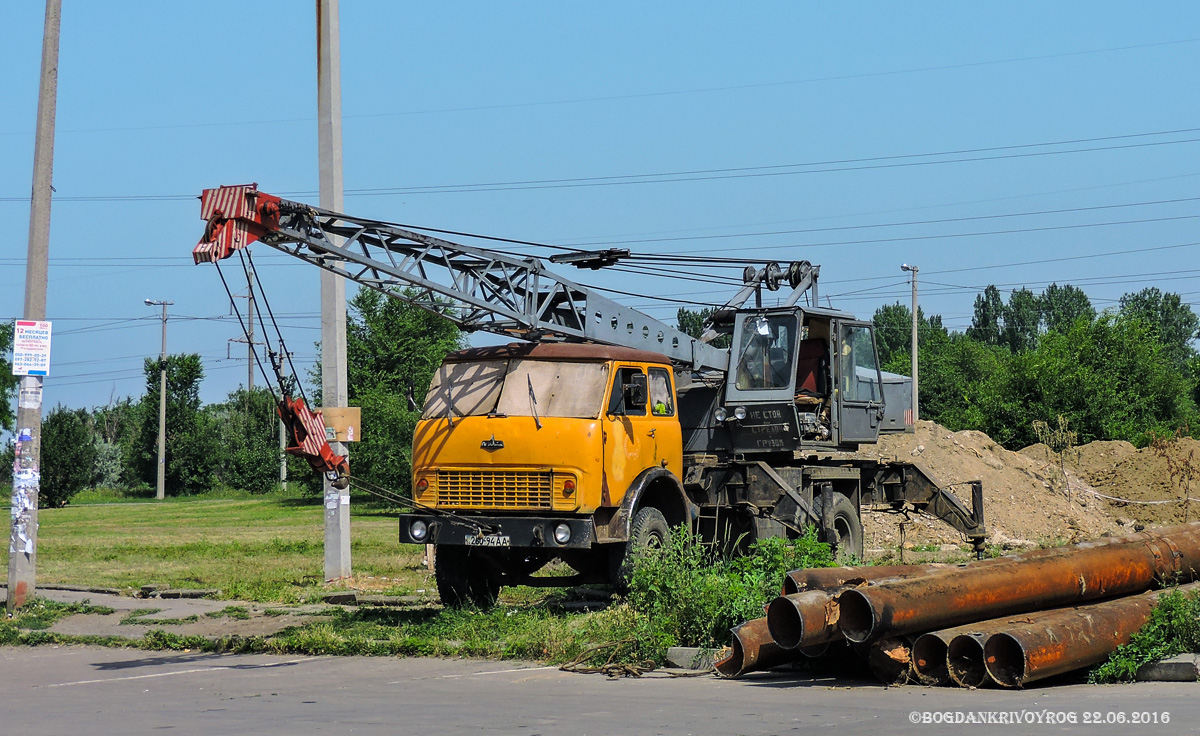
<point x="832" y="165"/>
<point x="641" y="95"/>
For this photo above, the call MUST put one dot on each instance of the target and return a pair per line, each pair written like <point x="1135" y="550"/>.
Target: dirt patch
<point x="1025" y="498"/>
<point x="1152" y="482"/>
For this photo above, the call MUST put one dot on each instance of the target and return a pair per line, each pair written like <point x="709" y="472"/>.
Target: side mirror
<point x="634" y="392"/>
<point x="412" y="400"/>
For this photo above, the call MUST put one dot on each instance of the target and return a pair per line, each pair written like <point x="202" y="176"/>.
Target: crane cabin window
<point x="860" y="370"/>
<point x="662" y="404"/>
<point x="765" y="354"/>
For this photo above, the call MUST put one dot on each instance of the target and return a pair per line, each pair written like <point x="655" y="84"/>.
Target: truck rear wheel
<point x="464" y="578"/>
<point x="649" y="530"/>
<point x="846" y="536"/>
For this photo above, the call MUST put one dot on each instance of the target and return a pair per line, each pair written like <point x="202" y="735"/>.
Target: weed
<point x="235" y="612"/>
<point x="682" y="595"/>
<point x="41" y="613"/>
<point x="133" y="616"/>
<point x="1173" y="628"/>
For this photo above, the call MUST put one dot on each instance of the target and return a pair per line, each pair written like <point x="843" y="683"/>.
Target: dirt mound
<point x="1025" y="499"/>
<point x="1153" y="483"/>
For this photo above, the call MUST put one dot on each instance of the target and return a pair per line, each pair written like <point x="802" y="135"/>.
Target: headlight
<point x="739" y="413"/>
<point x="417" y="530"/>
<point x="562" y="533"/>
<point x="720" y="414"/>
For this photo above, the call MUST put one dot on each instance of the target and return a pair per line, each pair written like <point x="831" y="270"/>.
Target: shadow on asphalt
<point x="198" y="658"/>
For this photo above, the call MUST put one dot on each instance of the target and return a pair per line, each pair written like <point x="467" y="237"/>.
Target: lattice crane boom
<point x="476" y="288"/>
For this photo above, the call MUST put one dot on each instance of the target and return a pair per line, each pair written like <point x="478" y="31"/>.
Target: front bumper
<point x="523" y="532"/>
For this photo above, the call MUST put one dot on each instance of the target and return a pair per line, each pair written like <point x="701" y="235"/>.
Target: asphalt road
<point x="85" y="690"/>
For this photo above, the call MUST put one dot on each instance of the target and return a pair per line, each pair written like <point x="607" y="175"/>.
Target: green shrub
<point x="1173" y="628"/>
<point x="684" y="595"/>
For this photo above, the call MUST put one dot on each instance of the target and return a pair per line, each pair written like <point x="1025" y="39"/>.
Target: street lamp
<point x="913" y="270"/>
<point x="160" y="489"/>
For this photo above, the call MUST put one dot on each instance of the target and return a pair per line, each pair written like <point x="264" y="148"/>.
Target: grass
<point x="40" y="614"/>
<point x="1173" y="628"/>
<point x="270" y="549"/>
<point x="256" y="548"/>
<point x="679" y="595"/>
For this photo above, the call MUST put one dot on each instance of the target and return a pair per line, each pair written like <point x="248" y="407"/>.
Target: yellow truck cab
<point x="540" y="451"/>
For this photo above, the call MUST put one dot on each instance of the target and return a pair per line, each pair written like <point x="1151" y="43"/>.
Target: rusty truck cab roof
<point x="557" y="351"/>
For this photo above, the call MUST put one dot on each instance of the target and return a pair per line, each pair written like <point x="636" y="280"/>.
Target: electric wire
<point x="741" y="172"/>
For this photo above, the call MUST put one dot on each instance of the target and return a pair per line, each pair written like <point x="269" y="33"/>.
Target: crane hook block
<point x="306" y="428"/>
<point x="236" y="216"/>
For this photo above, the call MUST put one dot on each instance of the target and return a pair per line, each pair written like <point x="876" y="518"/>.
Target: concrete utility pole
<point x="22" y="552"/>
<point x="333" y="287"/>
<point x="913" y="270"/>
<point x="160" y="487"/>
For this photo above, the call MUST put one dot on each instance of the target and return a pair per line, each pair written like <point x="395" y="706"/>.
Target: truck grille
<point x="506" y="489"/>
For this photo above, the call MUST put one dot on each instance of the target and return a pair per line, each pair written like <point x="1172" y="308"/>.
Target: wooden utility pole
<point x="333" y="286"/>
<point x="22" y="549"/>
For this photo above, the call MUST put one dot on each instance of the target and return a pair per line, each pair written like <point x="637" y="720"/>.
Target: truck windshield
<point x="521" y="388"/>
<point x="765" y="352"/>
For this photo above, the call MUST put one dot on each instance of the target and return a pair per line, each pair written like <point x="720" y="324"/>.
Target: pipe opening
<point x="929" y="660"/>
<point x="1004" y="659"/>
<point x="732" y="665"/>
<point x="856" y="616"/>
<point x="790" y="586"/>
<point x="964" y="659"/>
<point x="785" y="623"/>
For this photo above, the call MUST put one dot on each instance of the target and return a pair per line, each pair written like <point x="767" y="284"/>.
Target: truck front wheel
<point x="464" y="577"/>
<point x="649" y="530"/>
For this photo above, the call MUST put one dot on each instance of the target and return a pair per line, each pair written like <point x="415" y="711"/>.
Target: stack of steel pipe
<point x="1006" y="621"/>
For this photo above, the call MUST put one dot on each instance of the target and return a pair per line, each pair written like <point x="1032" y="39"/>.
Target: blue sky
<point x="158" y="100"/>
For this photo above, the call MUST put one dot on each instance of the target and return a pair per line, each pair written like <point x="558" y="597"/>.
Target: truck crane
<point x="600" y="430"/>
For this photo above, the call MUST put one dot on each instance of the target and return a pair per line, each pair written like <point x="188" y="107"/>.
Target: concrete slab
<point x="692" y="658"/>
<point x="1180" y="668"/>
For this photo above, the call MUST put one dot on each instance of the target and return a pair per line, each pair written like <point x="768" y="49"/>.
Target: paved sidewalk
<point x="183" y="616"/>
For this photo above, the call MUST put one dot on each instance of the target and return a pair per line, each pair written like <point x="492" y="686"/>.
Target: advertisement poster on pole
<point x="31" y="348"/>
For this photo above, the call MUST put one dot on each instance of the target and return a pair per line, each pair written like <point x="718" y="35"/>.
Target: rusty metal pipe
<point x="1033" y="581"/>
<point x="804" y="619"/>
<point x="1036" y="646"/>
<point x="964" y="659"/>
<point x="890" y="659"/>
<point x="753" y="650"/>
<point x="929" y="654"/>
<point x="823" y="578"/>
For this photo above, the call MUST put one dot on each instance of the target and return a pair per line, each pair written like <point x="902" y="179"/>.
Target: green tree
<point x="115" y="432"/>
<point x="1061" y="306"/>
<point x="989" y="317"/>
<point x="390" y="345"/>
<point x="192" y="439"/>
<point x="8" y="382"/>
<point x="954" y="371"/>
<point x="249" y="440"/>
<point x="68" y="456"/>
<point x="1171" y="319"/>
<point x="1112" y="379"/>
<point x="893" y="334"/>
<point x="692" y="321"/>
<point x="1022" y="321"/>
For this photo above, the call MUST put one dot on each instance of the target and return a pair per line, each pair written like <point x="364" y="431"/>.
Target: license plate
<point x="491" y="540"/>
